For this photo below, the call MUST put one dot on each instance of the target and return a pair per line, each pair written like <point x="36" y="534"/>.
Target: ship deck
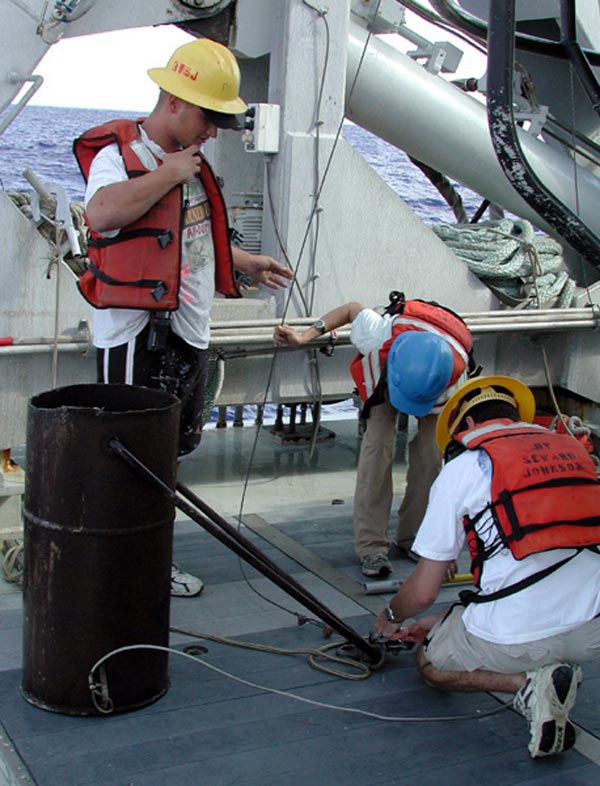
<point x="241" y="716"/>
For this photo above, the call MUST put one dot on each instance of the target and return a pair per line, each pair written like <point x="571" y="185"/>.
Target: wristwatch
<point x="319" y="325"/>
<point x="389" y="615"/>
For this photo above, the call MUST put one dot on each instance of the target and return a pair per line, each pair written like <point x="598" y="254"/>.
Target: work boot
<point x="376" y="564"/>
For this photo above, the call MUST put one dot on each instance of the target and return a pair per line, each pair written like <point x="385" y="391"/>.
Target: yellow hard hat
<point x="519" y="395"/>
<point x="203" y="73"/>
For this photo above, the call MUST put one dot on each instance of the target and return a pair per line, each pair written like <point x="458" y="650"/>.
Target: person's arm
<point x="416" y="595"/>
<point x="261" y="268"/>
<point x="118" y="204"/>
<point x="334" y="319"/>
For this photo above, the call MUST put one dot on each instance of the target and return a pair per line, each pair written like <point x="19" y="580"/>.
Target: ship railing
<point x="259" y="332"/>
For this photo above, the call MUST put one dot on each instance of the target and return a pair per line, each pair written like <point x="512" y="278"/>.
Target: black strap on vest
<point x="397" y="302"/>
<point x="469" y="596"/>
<point x="158" y="288"/>
<point x="378" y="396"/>
<point x="163" y="236"/>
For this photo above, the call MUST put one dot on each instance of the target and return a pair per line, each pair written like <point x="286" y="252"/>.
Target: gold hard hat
<point x="519" y="395"/>
<point x="203" y="73"/>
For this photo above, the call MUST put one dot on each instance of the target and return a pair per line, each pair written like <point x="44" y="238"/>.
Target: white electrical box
<point x="261" y="128"/>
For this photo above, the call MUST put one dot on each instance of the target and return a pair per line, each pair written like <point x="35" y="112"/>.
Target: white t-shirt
<point x="564" y="600"/>
<point x="114" y="326"/>
<point x="370" y="330"/>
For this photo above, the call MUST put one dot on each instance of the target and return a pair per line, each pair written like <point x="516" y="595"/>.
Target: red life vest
<point x="369" y="371"/>
<point x="545" y="491"/>
<point x="140" y="267"/>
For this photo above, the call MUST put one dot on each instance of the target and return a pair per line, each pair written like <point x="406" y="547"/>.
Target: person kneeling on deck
<point x="527" y="502"/>
<point x="410" y="360"/>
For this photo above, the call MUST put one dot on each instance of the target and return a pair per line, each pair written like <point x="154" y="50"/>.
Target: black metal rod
<point x="233" y="533"/>
<point x="583" y="69"/>
<point x="506" y="142"/>
<point x="230" y="537"/>
<point x="472" y="25"/>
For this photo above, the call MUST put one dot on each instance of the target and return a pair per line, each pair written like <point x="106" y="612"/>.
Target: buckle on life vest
<point x="159" y="291"/>
<point x="396" y="304"/>
<point x="165" y="238"/>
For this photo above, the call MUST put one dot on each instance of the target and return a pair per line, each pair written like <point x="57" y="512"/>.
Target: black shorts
<point x="181" y="370"/>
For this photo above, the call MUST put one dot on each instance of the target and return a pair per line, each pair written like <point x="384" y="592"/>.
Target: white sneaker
<point x="546" y="700"/>
<point x="184" y="585"/>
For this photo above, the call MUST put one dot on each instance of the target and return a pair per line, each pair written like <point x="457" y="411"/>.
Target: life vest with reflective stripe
<point x="545" y="491"/>
<point x="369" y="371"/>
<point x="140" y="267"/>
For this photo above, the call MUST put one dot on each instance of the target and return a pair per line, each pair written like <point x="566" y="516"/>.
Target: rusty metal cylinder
<point x="97" y="546"/>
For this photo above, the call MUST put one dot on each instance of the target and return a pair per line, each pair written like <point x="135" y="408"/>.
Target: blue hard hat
<point x="419" y="368"/>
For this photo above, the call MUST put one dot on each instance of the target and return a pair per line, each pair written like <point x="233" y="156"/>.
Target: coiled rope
<point x="12" y="561"/>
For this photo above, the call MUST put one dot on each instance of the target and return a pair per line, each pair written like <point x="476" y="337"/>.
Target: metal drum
<point x="98" y="543"/>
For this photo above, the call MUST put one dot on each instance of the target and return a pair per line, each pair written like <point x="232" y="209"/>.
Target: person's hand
<point x="387" y="629"/>
<point x="415" y="630"/>
<point x="183" y="165"/>
<point x="408" y="630"/>
<point x="266" y="270"/>
<point x="284" y="335"/>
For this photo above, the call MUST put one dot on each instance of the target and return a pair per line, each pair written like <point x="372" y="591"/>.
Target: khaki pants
<point x="452" y="648"/>
<point x="373" y="495"/>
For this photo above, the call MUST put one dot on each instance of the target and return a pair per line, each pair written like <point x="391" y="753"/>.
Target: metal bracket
<point x="36" y="82"/>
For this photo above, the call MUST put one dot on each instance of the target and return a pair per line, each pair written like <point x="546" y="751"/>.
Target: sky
<point x="98" y="79"/>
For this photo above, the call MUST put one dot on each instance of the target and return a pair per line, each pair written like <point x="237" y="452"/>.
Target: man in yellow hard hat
<point x="159" y="239"/>
<point x="526" y="500"/>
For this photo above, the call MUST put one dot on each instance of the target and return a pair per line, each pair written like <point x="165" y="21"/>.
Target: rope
<point x="103" y="703"/>
<point x="12" y="561"/>
<point x="446" y="190"/>
<point x="47" y="228"/>
<point x="576" y="428"/>
<point x="523" y="268"/>
<point x="363" y="669"/>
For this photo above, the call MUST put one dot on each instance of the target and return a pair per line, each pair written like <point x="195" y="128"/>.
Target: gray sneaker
<point x="376" y="564"/>
<point x="184" y="585"/>
<point x="546" y="700"/>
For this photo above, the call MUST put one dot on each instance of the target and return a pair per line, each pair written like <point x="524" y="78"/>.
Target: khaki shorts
<point x="451" y="647"/>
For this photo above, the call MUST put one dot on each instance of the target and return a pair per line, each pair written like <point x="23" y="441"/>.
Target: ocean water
<point x="41" y="139"/>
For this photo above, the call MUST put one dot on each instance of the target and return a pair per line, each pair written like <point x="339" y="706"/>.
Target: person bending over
<point x="410" y="360"/>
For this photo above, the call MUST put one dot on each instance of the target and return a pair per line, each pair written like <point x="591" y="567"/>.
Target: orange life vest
<point x="545" y="491"/>
<point x="140" y="267"/>
<point x="369" y="371"/>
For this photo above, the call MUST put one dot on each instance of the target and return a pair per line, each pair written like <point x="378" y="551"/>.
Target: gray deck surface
<point x="210" y="730"/>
